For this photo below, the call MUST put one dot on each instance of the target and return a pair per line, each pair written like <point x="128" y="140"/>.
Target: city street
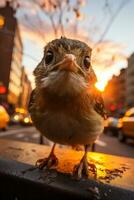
<point x="106" y="144"/>
<point x="68" y="67"/>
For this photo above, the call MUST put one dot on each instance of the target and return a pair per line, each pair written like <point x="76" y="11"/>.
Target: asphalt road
<point x="106" y="144"/>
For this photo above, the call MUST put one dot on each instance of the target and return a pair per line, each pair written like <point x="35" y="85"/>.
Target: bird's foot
<point x="82" y="170"/>
<point x="49" y="162"/>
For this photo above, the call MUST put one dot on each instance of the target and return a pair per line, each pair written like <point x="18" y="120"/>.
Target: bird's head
<point x="65" y="68"/>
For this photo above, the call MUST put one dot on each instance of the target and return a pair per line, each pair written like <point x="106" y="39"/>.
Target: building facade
<point x="115" y="93"/>
<point x="10" y="54"/>
<point x="26" y="90"/>
<point x="130" y="82"/>
<point x="14" y="89"/>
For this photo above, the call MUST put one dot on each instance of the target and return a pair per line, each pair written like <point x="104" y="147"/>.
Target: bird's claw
<point x="82" y="169"/>
<point x="49" y="162"/>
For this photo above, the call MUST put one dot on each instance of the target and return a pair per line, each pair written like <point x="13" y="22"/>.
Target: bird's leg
<point x="48" y="162"/>
<point x="81" y="170"/>
<point x="93" y="147"/>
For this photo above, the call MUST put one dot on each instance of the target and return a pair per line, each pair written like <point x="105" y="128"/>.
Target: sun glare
<point x="100" y="86"/>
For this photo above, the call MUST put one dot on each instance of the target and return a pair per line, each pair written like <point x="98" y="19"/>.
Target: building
<point x="10" y="54"/>
<point x="130" y="82"/>
<point x="115" y="93"/>
<point x="26" y="90"/>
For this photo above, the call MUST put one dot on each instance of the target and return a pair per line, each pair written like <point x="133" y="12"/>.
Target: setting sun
<point x="100" y="86"/>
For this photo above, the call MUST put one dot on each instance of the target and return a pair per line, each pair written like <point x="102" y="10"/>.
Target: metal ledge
<point x="19" y="180"/>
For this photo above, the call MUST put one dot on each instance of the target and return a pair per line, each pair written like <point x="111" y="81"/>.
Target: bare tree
<point x="57" y="11"/>
<point x="99" y="45"/>
<point x="113" y="16"/>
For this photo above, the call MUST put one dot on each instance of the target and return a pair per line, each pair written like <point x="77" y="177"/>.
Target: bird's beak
<point x="69" y="63"/>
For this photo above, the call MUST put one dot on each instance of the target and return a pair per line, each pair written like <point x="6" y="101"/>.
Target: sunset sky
<point x="116" y="46"/>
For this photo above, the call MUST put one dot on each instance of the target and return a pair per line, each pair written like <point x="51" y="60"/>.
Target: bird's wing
<point x="99" y="104"/>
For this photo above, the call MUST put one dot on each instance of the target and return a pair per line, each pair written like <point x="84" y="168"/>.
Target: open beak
<point x="69" y="63"/>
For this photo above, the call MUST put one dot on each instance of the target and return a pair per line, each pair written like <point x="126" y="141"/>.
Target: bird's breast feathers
<point x="69" y="125"/>
<point x="64" y="129"/>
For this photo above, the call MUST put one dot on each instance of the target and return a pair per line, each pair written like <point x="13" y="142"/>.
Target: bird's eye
<point x="49" y="57"/>
<point x="87" y="62"/>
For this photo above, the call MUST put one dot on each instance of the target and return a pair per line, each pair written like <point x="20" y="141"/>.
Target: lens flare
<point x="100" y="86"/>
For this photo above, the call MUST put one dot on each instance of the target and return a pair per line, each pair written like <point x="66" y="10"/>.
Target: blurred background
<point x="107" y="26"/>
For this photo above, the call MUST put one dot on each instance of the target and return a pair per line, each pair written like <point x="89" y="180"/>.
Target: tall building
<point x="26" y="90"/>
<point x="115" y="93"/>
<point x="130" y="82"/>
<point x="10" y="54"/>
<point x="121" y="93"/>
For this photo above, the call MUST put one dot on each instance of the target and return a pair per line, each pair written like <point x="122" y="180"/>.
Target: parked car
<point x="126" y="126"/>
<point x="26" y="121"/>
<point x="4" y="118"/>
<point x="111" y="126"/>
<point x="18" y="116"/>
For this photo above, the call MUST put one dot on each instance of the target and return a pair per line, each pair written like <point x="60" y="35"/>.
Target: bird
<point x="65" y="105"/>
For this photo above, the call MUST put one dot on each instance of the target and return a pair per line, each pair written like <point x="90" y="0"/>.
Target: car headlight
<point x="16" y="117"/>
<point x="26" y="120"/>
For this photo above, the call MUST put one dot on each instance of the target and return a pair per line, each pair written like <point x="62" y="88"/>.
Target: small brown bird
<point x="65" y="106"/>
